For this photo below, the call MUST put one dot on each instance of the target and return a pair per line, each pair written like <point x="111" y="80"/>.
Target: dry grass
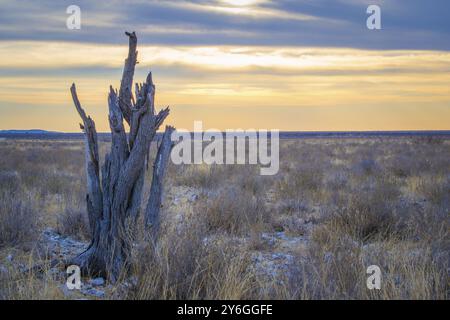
<point x="18" y="220"/>
<point x="18" y="215"/>
<point x="336" y="206"/>
<point x="18" y="285"/>
<point x="234" y="211"/>
<point x="186" y="265"/>
<point x="73" y="223"/>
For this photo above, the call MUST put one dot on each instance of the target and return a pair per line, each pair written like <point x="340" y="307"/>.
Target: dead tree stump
<point x="114" y="190"/>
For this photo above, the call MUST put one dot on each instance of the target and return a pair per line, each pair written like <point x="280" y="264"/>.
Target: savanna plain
<point x="336" y="206"/>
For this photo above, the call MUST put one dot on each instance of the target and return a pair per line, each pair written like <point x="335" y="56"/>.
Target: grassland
<point x="335" y="207"/>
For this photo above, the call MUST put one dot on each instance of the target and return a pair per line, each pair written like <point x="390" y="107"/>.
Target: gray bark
<point x="154" y="204"/>
<point x="114" y="201"/>
<point x="94" y="192"/>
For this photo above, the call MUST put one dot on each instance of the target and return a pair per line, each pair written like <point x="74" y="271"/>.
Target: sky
<point x="300" y="65"/>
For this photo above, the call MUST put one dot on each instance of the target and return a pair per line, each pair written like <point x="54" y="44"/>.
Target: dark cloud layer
<point x="413" y="24"/>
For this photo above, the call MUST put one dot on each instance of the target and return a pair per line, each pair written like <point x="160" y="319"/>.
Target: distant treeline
<point x="51" y="135"/>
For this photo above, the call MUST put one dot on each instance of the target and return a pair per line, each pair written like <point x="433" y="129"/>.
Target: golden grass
<point x="352" y="202"/>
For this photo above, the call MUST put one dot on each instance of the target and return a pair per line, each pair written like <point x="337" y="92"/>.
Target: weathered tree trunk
<point x="114" y="198"/>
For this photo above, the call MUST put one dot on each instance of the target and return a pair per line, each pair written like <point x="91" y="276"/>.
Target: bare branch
<point x="125" y="95"/>
<point x="152" y="216"/>
<point x="94" y="195"/>
<point x="148" y="126"/>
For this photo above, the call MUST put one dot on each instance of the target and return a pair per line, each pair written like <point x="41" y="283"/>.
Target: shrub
<point x="366" y="167"/>
<point x="435" y="190"/>
<point x="18" y="219"/>
<point x="300" y="184"/>
<point x="200" y="176"/>
<point x="367" y="214"/>
<point x="235" y="212"/>
<point x="74" y="223"/>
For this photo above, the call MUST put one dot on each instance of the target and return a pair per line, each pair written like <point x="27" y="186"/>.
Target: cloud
<point x="291" y="64"/>
<point x="415" y="24"/>
<point x="49" y="55"/>
<point x="275" y="83"/>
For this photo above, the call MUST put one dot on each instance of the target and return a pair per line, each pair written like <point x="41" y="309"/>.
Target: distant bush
<point x="435" y="190"/>
<point x="431" y="140"/>
<point x="9" y="180"/>
<point x="367" y="214"/>
<point x="406" y="164"/>
<point x="234" y="212"/>
<point x="18" y="219"/>
<point x="366" y="167"/>
<point x="304" y="182"/>
<point x="201" y="176"/>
